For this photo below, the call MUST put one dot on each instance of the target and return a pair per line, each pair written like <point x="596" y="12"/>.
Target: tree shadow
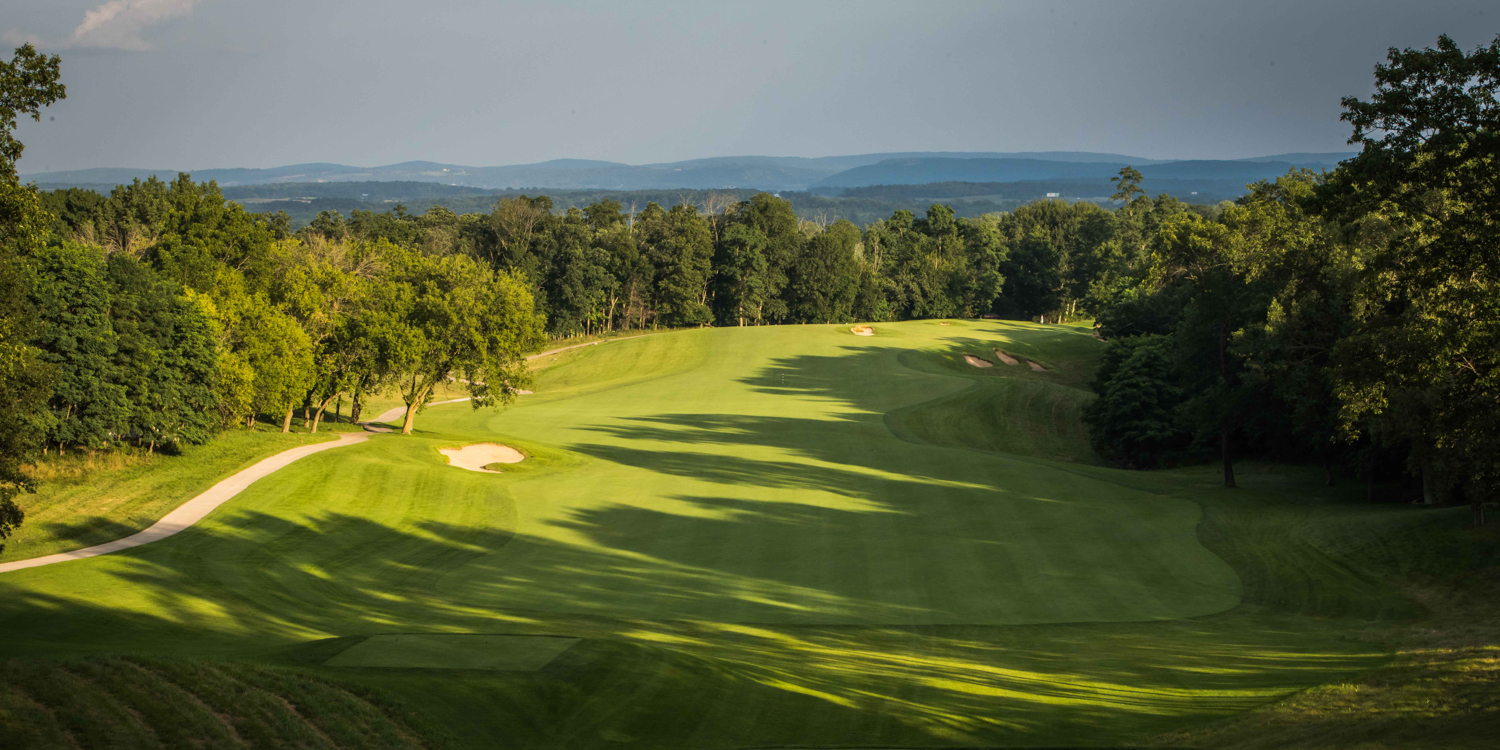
<point x="256" y="584"/>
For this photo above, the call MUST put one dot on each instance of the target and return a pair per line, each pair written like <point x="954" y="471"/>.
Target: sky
<point x="196" y="84"/>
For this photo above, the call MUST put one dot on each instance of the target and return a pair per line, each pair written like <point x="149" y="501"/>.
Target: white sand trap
<point x="975" y="361"/>
<point x="862" y="331"/>
<point x="476" y="457"/>
<point x="1006" y="358"/>
<point x="1036" y="366"/>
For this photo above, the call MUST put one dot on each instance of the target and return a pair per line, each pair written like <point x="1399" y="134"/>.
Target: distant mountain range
<point x="828" y="173"/>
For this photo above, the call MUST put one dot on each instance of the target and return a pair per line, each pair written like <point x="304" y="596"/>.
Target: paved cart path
<point x="194" y="510"/>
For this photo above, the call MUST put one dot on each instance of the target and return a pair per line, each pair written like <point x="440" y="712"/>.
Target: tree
<point x="75" y="337"/>
<point x="277" y="350"/>
<point x="164" y="357"/>
<point x="740" y="274"/>
<point x="678" y="245"/>
<point x="1208" y="258"/>
<point x="824" y="280"/>
<point x="1127" y="185"/>
<point x="446" y="318"/>
<point x="1429" y="302"/>
<point x="28" y="82"/>
<point x="1133" y="421"/>
<point x="1033" y="276"/>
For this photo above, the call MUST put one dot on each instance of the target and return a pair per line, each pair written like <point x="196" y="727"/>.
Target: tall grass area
<point x="86" y="498"/>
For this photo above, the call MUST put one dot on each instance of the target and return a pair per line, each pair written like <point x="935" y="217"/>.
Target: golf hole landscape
<point x="752" y="537"/>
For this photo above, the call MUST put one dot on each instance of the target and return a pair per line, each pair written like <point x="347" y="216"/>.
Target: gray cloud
<point x="488" y="82"/>
<point x="114" y="25"/>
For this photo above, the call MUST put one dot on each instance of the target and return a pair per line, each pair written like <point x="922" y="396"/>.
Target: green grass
<point x="85" y="500"/>
<point x="768" y="537"/>
<point x="519" y="653"/>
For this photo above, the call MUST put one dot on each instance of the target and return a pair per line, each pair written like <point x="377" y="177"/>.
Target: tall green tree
<point x="1127" y="185"/>
<point x="70" y="293"/>
<point x="28" y="82"/>
<point x="447" y="318"/>
<point x="1429" y="306"/>
<point x="824" y="280"/>
<point x="680" y="250"/>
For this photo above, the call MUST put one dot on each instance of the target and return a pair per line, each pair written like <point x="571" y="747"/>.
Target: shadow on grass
<point x="677" y="606"/>
<point x="262" y="583"/>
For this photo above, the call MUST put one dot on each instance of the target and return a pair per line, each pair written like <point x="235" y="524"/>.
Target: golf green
<point x="799" y="516"/>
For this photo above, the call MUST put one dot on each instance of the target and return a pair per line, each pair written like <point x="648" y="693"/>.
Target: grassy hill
<point x="786" y="536"/>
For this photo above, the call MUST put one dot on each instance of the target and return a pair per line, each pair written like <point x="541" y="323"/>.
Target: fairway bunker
<point x="479" y="455"/>
<point x="1006" y="358"/>
<point x="976" y="361"/>
<point x="862" y="331"/>
<point x="508" y="653"/>
<point x="1036" y="366"/>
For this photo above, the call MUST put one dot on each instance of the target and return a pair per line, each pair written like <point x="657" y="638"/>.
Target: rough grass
<point x="86" y="499"/>
<point x="773" y="537"/>
<point x="134" y="703"/>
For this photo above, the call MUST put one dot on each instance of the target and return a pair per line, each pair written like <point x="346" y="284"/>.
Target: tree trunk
<point x="286" y="422"/>
<point x="1224" y="427"/>
<point x="318" y="416"/>
<point x="338" y="408"/>
<point x="1224" y="431"/>
<point x="354" y="408"/>
<point x="411" y="409"/>
<point x="1429" y="494"/>
<point x="1327" y="472"/>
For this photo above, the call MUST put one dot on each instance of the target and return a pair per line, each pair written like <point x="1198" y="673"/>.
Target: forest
<point x="1347" y="316"/>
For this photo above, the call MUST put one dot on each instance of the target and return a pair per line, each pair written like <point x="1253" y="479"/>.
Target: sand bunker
<point x="1006" y="358"/>
<point x="945" y="323"/>
<point x="1036" y="366"/>
<point x="862" y="331"/>
<point x="977" y="362"/>
<point x="476" y="457"/>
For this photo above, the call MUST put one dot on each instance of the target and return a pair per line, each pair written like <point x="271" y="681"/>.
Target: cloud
<point x="118" y="24"/>
<point x="115" y="25"/>
<point x="16" y="39"/>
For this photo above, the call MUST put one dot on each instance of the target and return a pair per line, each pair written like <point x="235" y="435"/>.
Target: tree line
<point x="1346" y="316"/>
<point x="1351" y="318"/>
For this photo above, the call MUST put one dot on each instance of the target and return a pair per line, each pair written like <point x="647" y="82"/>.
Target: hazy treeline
<point x="1351" y="318"/>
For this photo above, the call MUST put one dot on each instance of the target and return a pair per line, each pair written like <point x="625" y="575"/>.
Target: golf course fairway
<point x="774" y="536"/>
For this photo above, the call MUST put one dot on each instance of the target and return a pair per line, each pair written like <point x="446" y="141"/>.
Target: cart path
<point x="194" y="510"/>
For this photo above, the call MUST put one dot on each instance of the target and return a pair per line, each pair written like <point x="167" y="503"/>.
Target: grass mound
<point x="135" y="703"/>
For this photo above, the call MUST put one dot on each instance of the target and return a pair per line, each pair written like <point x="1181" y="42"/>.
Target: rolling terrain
<point x="779" y="536"/>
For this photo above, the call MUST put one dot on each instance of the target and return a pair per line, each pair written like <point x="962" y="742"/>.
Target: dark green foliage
<point x="164" y="357"/>
<point x="1132" y="422"/>
<point x="676" y="242"/>
<point x="1033" y="277"/>
<point x="824" y="279"/>
<point x="28" y="82"/>
<point x="70" y="293"/>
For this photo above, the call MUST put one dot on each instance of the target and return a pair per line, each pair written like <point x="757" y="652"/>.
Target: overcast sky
<point x="190" y="84"/>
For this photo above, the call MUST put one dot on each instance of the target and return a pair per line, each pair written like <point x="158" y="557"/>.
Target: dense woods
<point x="1348" y="317"/>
